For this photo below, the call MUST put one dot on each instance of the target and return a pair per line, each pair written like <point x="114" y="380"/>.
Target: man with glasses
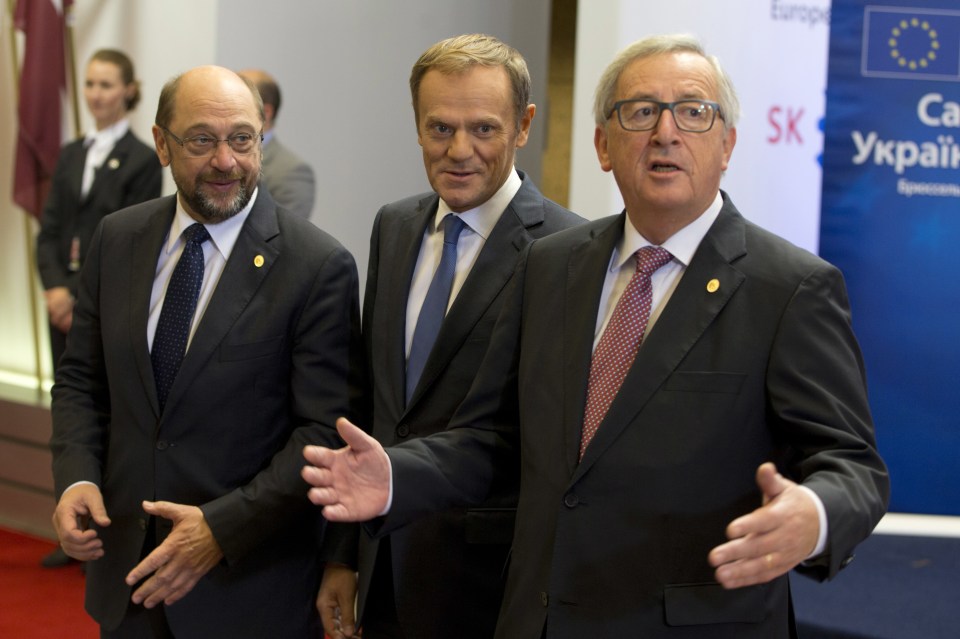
<point x="667" y="486"/>
<point x="213" y="339"/>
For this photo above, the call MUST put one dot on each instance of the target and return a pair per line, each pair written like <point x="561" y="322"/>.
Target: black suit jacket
<point x="766" y="367"/>
<point x="447" y="568"/>
<point x="267" y="371"/>
<point x="131" y="174"/>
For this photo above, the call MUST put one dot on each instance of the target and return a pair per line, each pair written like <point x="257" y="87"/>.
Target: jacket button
<point x="544" y="598"/>
<point x="162" y="444"/>
<point x="143" y="523"/>
<point x="571" y="501"/>
<point x="403" y="430"/>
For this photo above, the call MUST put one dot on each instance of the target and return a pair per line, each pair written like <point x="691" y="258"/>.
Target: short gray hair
<point x="655" y="45"/>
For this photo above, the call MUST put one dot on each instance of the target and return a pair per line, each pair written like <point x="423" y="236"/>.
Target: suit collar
<point x="115" y="161"/>
<point x="694" y="305"/>
<point x="257" y="249"/>
<point x="490" y="273"/>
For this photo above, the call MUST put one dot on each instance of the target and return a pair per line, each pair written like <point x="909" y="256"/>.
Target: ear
<point x="163" y="149"/>
<point x="268" y="114"/>
<point x="729" y="141"/>
<point x="600" y="142"/>
<point x="524" y="133"/>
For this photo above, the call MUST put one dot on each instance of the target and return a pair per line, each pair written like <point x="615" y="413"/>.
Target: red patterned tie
<point x="620" y="341"/>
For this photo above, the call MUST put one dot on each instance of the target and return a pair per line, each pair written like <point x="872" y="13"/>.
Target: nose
<point x="666" y="131"/>
<point x="223" y="158"/>
<point x="460" y="148"/>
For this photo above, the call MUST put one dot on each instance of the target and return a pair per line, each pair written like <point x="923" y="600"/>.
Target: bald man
<point x="289" y="179"/>
<point x="177" y="462"/>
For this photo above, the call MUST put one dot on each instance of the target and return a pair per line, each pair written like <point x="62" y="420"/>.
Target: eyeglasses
<point x="202" y="145"/>
<point x="694" y="116"/>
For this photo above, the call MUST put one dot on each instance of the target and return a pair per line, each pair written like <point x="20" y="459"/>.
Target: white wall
<point x="776" y="54"/>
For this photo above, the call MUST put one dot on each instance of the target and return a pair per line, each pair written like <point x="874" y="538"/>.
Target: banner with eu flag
<point x="890" y="219"/>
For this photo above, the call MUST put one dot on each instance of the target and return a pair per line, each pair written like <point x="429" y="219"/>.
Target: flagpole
<point x="27" y="225"/>
<point x="71" y="67"/>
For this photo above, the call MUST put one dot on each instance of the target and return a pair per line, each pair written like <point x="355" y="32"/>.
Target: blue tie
<point x="173" y="328"/>
<point x="434" y="304"/>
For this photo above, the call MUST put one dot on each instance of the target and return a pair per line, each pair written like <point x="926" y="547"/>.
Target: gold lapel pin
<point x="258" y="261"/>
<point x="713" y="286"/>
<point x="114" y="163"/>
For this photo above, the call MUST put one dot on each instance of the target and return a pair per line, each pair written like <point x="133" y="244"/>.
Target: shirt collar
<point x="682" y="244"/>
<point x="483" y="218"/>
<point x="109" y="136"/>
<point x="223" y="234"/>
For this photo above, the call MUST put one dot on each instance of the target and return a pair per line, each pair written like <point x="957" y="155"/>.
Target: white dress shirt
<point x="478" y="224"/>
<point x="99" y="144"/>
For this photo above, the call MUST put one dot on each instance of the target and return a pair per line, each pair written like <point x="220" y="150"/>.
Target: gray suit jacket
<point x="289" y="179"/>
<point x="450" y="564"/>
<point x="268" y="371"/>
<point x="764" y="368"/>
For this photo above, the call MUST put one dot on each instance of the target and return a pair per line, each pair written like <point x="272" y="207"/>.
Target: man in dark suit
<point x="289" y="178"/>
<point x="178" y="479"/>
<point x="737" y="443"/>
<point x="443" y="576"/>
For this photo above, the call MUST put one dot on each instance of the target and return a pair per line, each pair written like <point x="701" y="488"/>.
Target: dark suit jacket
<point x="764" y="368"/>
<point x="267" y="371"/>
<point x="131" y="174"/>
<point x="447" y="568"/>
<point x="290" y="180"/>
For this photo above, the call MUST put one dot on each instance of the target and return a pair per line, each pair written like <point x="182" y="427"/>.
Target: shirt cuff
<point x="822" y="514"/>
<point x="386" y="508"/>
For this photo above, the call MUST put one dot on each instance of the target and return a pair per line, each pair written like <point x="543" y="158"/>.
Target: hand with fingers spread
<point x="176" y="565"/>
<point x="771" y="540"/>
<point x="78" y="506"/>
<point x="352" y="483"/>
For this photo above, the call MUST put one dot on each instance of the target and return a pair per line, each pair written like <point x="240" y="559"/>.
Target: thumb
<point x="163" y="509"/>
<point x="98" y="512"/>
<point x="770" y="482"/>
<point x="354" y="436"/>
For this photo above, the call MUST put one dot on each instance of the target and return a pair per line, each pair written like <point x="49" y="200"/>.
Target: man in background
<point x="443" y="576"/>
<point x="289" y="179"/>
<point x="681" y="390"/>
<point x="212" y="338"/>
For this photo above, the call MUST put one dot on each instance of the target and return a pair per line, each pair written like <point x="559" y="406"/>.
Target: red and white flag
<point x="42" y="81"/>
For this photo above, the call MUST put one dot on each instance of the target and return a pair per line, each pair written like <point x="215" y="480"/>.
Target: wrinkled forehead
<point x="671" y="75"/>
<point x="215" y="99"/>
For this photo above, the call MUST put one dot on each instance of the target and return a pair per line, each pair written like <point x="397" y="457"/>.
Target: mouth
<point x="222" y="183"/>
<point x="663" y="167"/>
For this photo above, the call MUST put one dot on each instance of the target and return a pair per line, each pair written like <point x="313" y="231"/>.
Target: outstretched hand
<point x="176" y="565"/>
<point x="771" y="540"/>
<point x="352" y="483"/>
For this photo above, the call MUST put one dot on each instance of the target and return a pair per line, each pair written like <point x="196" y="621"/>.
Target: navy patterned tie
<point x="176" y="315"/>
<point x="434" y="304"/>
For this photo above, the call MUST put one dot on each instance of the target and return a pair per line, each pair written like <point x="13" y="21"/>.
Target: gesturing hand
<point x="352" y="483"/>
<point x="175" y="566"/>
<point x="771" y="540"/>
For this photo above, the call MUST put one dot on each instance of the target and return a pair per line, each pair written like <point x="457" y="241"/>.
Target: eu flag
<point x="920" y="43"/>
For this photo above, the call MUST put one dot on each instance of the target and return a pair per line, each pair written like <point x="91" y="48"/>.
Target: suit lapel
<point x="144" y="251"/>
<point x="114" y="161"/>
<point x="399" y="244"/>
<point x="490" y="273"/>
<point x="585" y="272"/>
<point x="239" y="282"/>
<point x="690" y="310"/>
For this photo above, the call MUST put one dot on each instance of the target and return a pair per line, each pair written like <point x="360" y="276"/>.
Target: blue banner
<point x="890" y="219"/>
